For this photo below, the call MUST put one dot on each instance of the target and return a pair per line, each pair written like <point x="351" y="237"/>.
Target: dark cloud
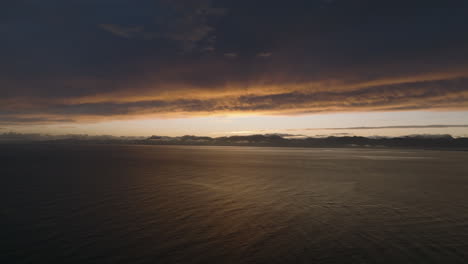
<point x="116" y="58"/>
<point x="185" y="23"/>
<point x="231" y="55"/>
<point x="12" y="120"/>
<point x="122" y="31"/>
<point x="264" y="54"/>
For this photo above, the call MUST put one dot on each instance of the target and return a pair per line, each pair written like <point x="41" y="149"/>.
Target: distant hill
<point x="267" y="140"/>
<point x="418" y="141"/>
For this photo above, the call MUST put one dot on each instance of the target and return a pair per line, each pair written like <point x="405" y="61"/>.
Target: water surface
<point x="176" y="204"/>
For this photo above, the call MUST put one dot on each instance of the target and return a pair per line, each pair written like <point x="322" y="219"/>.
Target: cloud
<point x="13" y="120"/>
<point x="440" y="94"/>
<point x="185" y="23"/>
<point x="122" y="31"/>
<point x="125" y="59"/>
<point x="212" y="11"/>
<point x="209" y="49"/>
<point x="230" y="55"/>
<point x="341" y="134"/>
<point x="19" y="137"/>
<point x="379" y="127"/>
<point x="264" y="54"/>
<point x="421" y="126"/>
<point x="335" y="135"/>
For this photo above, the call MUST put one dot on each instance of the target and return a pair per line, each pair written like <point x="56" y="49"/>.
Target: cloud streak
<point x="380" y="127"/>
<point x="440" y="94"/>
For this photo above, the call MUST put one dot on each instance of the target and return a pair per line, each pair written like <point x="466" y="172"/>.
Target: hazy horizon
<point x="359" y="124"/>
<point x="430" y="130"/>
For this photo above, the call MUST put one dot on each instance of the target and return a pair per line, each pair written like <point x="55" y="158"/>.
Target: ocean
<point x="190" y="204"/>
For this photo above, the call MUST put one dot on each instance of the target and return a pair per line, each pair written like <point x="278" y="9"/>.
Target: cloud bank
<point x="87" y="60"/>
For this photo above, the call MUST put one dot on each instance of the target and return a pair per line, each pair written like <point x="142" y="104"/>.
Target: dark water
<point x="163" y="204"/>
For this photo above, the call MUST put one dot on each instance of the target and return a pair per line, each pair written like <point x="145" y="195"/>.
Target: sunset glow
<point x="185" y="61"/>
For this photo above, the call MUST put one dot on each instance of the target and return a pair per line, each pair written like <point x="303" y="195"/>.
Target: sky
<point x="229" y="67"/>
